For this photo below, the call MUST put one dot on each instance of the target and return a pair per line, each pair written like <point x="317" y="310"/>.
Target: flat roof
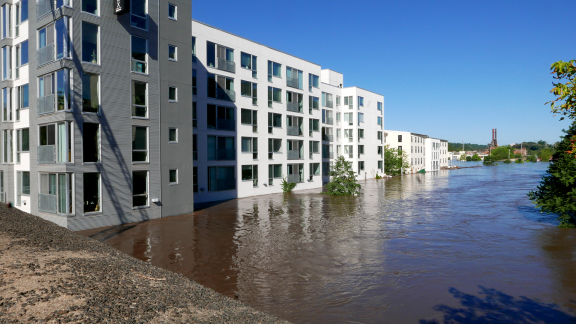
<point x="365" y="90"/>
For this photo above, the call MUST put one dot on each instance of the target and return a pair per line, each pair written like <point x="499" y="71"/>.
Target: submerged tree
<point x="396" y="161"/>
<point x="343" y="179"/>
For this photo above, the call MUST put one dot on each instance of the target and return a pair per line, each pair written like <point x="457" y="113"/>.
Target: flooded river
<point x="461" y="246"/>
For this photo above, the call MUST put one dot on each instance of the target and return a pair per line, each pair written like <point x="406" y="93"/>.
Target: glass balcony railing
<point x="43" y="7"/>
<point x="329" y="138"/>
<point x="46" y="154"/>
<point x="226" y="65"/>
<point x="294" y="130"/>
<point x="225" y="184"/>
<point x="45" y="54"/>
<point x="294" y="178"/>
<point x="47" y="203"/>
<point x="226" y="154"/>
<point x="225" y="94"/>
<point x="292" y="82"/>
<point x="294" y="106"/>
<point x="225" y="124"/>
<point x="45" y="105"/>
<point x="294" y="155"/>
<point x="329" y="104"/>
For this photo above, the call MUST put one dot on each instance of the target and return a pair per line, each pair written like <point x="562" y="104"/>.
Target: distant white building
<point x="423" y="151"/>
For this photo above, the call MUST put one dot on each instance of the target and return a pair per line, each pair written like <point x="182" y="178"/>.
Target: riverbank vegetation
<point x="343" y="181"/>
<point x="557" y="190"/>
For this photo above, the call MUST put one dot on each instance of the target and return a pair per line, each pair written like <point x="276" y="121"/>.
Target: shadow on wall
<point x="493" y="306"/>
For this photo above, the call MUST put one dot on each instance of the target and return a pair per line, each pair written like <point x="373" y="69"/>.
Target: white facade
<point x="432" y="148"/>
<point x="423" y="152"/>
<point x="444" y="155"/>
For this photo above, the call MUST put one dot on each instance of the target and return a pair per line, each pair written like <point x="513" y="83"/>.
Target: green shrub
<point x="531" y="158"/>
<point x="343" y="180"/>
<point x="287" y="186"/>
<point x="519" y="161"/>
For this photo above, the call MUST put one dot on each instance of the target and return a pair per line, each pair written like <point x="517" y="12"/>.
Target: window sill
<point x="90" y="113"/>
<point x="90" y="14"/>
<point x="141" y="118"/>
<point x="172" y="142"/>
<point x="140" y="207"/>
<point x="140" y="73"/>
<point x="173" y="184"/>
<point x="94" y="213"/>
<point x="172" y="60"/>
<point x="140" y="162"/>
<point x="174" y="19"/>
<point x="172" y="101"/>
<point x="91" y="63"/>
<point x="92" y="163"/>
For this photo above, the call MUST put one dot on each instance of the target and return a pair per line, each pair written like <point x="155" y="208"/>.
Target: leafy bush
<point x="396" y="161"/>
<point x="488" y="160"/>
<point x="343" y="180"/>
<point x="476" y="158"/>
<point x="519" y="161"/>
<point x="287" y="186"/>
<point x="507" y="161"/>
<point x="531" y="158"/>
<point x="545" y="155"/>
<point x="378" y="176"/>
<point x="468" y="159"/>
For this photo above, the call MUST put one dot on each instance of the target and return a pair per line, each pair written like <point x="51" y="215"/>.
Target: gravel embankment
<point x="51" y="274"/>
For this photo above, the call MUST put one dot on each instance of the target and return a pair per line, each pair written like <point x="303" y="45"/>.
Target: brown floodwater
<point x="462" y="246"/>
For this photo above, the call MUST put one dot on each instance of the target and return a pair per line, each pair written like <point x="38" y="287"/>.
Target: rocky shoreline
<point x="49" y="274"/>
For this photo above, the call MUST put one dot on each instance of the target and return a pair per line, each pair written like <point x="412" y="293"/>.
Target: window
<point x="326" y="168"/>
<point x="22" y="142"/>
<point x="348" y="101"/>
<point x="295" y="173"/>
<point x="250" y="172"/>
<point x="172" y="94"/>
<point x="195" y="179"/>
<point x="6" y="62"/>
<point x="21" y="56"/>
<point x="349" y="133"/>
<point x="360" y="133"/>
<point x="274" y="172"/>
<point x="313" y="103"/>
<point x="221" y="87"/>
<point x="349" y="117"/>
<point x="327" y="151"/>
<point x="6" y="104"/>
<point x="221" y="148"/>
<point x="295" y="149"/>
<point x="6" y="21"/>
<point x="194" y="88"/>
<point x="360" y="150"/>
<point x="194" y="58"/>
<point x="360" y="166"/>
<point x="139" y="144"/>
<point x="91" y="142"/>
<point x="360" y="118"/>
<point x="327" y="100"/>
<point x="172" y="11"/>
<point x="249" y="117"/>
<point x="90" y="50"/>
<point x="380" y="165"/>
<point x="249" y="62"/>
<point x="21" y="14"/>
<point x="173" y="177"/>
<point x="22" y="186"/>
<point x="314" y="125"/>
<point x="380" y="106"/>
<point x="327" y="117"/>
<point x="274" y="70"/>
<point x="140" y="188"/>
<point x="249" y="89"/>
<point x="221" y="178"/>
<point x="274" y="120"/>
<point x="337" y="101"/>
<point x="380" y="151"/>
<point x="221" y="118"/>
<point x="54" y="91"/>
<point x="379" y="136"/>
<point x="294" y="78"/>
<point x="173" y="135"/>
<point x="360" y="102"/>
<point x="90" y="6"/>
<point x="220" y="57"/>
<point x="313" y="81"/>
<point x="55" y="143"/>
<point x="91" y="191"/>
<point x="90" y="93"/>
<point x="57" y="35"/>
<point x="294" y="101"/>
<point x="194" y="117"/>
<point x="274" y="95"/>
<point x="172" y="53"/>
<point x="314" y="147"/>
<point x="194" y="147"/>
<point x="139" y="99"/>
<point x="8" y="149"/>
<point x="295" y="125"/>
<point x="139" y="14"/>
<point x="379" y="121"/>
<point x="250" y="145"/>
<point x="399" y="138"/>
<point x="55" y="193"/>
<point x="274" y="146"/>
<point x="139" y="54"/>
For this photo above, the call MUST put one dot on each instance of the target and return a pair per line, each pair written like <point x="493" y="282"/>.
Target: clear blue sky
<point x="448" y="69"/>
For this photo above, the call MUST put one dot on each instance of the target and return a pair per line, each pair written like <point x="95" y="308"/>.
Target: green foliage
<point x="378" y="176"/>
<point x="501" y="153"/>
<point x="488" y="161"/>
<point x="545" y="155"/>
<point x="476" y="158"/>
<point x="287" y="186"/>
<point x="519" y="160"/>
<point x="462" y="157"/>
<point x="395" y="161"/>
<point x="456" y="147"/>
<point x="468" y="159"/>
<point x="343" y="180"/>
<point x="507" y="161"/>
<point x="557" y="190"/>
<point x="565" y="102"/>
<point x="531" y="158"/>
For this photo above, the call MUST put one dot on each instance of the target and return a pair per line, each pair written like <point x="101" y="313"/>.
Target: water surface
<point x="461" y="246"/>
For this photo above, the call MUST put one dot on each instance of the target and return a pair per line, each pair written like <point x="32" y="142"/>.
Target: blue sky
<point x="449" y="69"/>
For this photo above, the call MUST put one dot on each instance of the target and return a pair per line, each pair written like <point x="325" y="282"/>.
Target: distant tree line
<point x="456" y="147"/>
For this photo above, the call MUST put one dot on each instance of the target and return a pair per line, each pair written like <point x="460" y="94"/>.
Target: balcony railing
<point x="226" y="154"/>
<point x="329" y="120"/>
<point x="225" y="94"/>
<point x="224" y="64"/>
<point x="294" y="155"/>
<point x="350" y="139"/>
<point x="294" y="130"/>
<point x="327" y="155"/>
<point x="45" y="54"/>
<point x="329" y="138"/>
<point x="225" y="124"/>
<point x="3" y="197"/>
<point x="225" y="184"/>
<point x="46" y="154"/>
<point x="45" y="105"/>
<point x="43" y="7"/>
<point x="293" y="106"/>
<point x="292" y="82"/>
<point x="329" y="103"/>
<point x="351" y="155"/>
<point x="47" y="203"/>
<point x="293" y="178"/>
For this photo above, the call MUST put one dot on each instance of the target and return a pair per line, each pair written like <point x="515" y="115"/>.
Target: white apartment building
<point x="417" y="151"/>
<point x="432" y="149"/>
<point x="424" y="152"/>
<point x="444" y="155"/>
<point x="261" y="115"/>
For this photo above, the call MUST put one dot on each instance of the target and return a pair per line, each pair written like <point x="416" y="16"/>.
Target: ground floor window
<point x="92" y="192"/>
<point x="250" y="172"/>
<point x="55" y="194"/>
<point x="380" y="165"/>
<point x="140" y="188"/>
<point x="360" y="166"/>
<point x="274" y="171"/>
<point x="22" y="185"/>
<point x="221" y="178"/>
<point x="295" y="173"/>
<point x="314" y="170"/>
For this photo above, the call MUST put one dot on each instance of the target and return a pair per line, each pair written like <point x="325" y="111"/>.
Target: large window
<point x="274" y="70"/>
<point x="91" y="142"/>
<point x="313" y="82"/>
<point x="314" y="125"/>
<point x="295" y="149"/>
<point x="294" y="78"/>
<point x="295" y="173"/>
<point x="22" y="185"/>
<point x="90" y="92"/>
<point x="250" y="172"/>
<point x="220" y="57"/>
<point x="294" y="101"/>
<point x="194" y="116"/>
<point x="348" y="101"/>
<point x="57" y="35"/>
<point x="314" y="147"/>
<point x="6" y="21"/>
<point x="250" y="89"/>
<point x="55" y="143"/>
<point x="274" y="95"/>
<point x="195" y="147"/>
<point x="90" y="40"/>
<point x="360" y="102"/>
<point x="91" y="189"/>
<point x="90" y="6"/>
<point x="295" y="125"/>
<point x="274" y="146"/>
<point x="327" y="100"/>
<point x="379" y="121"/>
<point x="8" y="146"/>
<point x="327" y="117"/>
<point x="221" y="178"/>
<point x="21" y="56"/>
<point x="221" y="87"/>
<point x="139" y="14"/>
<point x="314" y="170"/>
<point x="313" y="103"/>
<point x="249" y="62"/>
<point x="22" y="142"/>
<point x="139" y="144"/>
<point x="250" y="145"/>
<point x="21" y="14"/>
<point x="55" y="194"/>
<point x="58" y="82"/>
<point x="380" y="106"/>
<point x="140" y="188"/>
<point x="7" y="104"/>
<point x="274" y="172"/>
<point x="221" y="118"/>
<point x="274" y="120"/>
<point x="194" y="58"/>
<point x="139" y="99"/>
<point x="6" y="62"/>
<point x="360" y="118"/>
<point x="249" y="117"/>
<point x="195" y="179"/>
<point x="139" y="54"/>
<point x="221" y="148"/>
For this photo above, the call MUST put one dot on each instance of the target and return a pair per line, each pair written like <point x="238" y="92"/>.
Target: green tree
<point x="564" y="89"/>
<point x="519" y="160"/>
<point x="557" y="190"/>
<point x="545" y="155"/>
<point x="488" y="160"/>
<point x="343" y="180"/>
<point x="507" y="161"/>
<point x="476" y="158"/>
<point x="463" y="157"/>
<point x="395" y="161"/>
<point x="501" y="152"/>
<point x="468" y="158"/>
<point x="531" y="158"/>
<point x="287" y="186"/>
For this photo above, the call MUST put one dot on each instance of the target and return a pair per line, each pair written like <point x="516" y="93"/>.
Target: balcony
<point x="43" y="7"/>
<point x="292" y="82"/>
<point x="46" y="154"/>
<point x="350" y="139"/>
<point x="225" y="94"/>
<point x="329" y="121"/>
<point x="329" y="103"/>
<point x="293" y="106"/>
<point x="225" y="184"/>
<point x="226" y="154"/>
<point x="329" y="138"/>
<point x="294" y="155"/>
<point x="45" y="105"/>
<point x="47" y="203"/>
<point x="293" y="178"/>
<point x="225" y="65"/>
<point x="225" y="124"/>
<point x="45" y="55"/>
<point x="327" y="155"/>
<point x="294" y="130"/>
